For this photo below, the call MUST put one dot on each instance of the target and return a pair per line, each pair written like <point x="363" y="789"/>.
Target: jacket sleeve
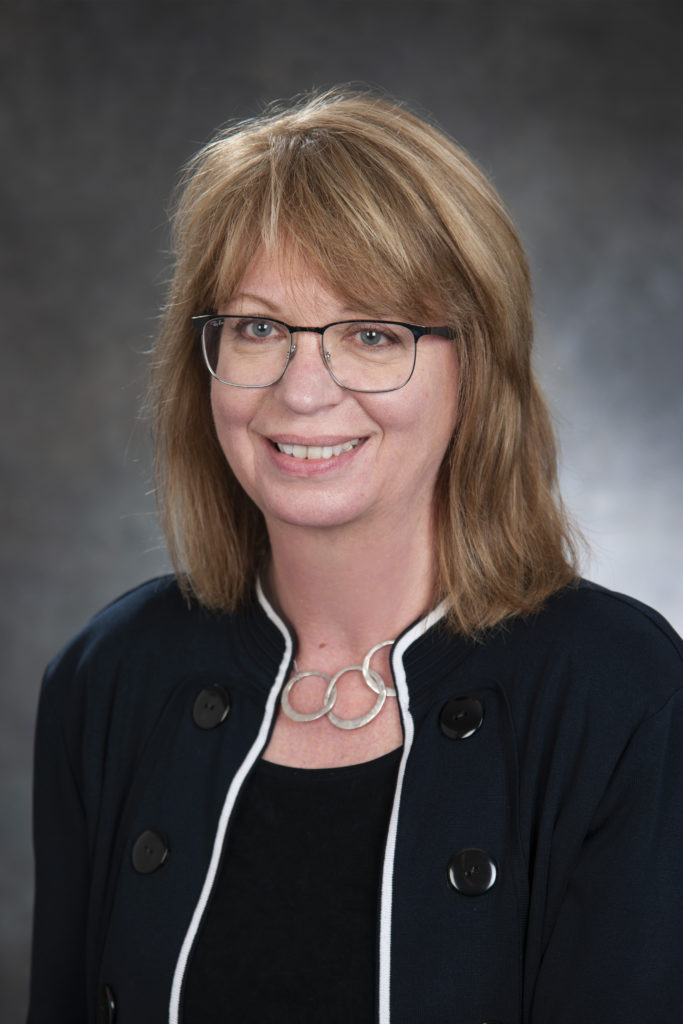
<point x="58" y="987"/>
<point x="615" y="950"/>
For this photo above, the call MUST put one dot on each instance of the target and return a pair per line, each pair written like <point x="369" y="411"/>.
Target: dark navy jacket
<point x="534" y="859"/>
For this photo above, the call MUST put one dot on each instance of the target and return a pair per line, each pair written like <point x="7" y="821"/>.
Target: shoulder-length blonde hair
<point x="396" y="219"/>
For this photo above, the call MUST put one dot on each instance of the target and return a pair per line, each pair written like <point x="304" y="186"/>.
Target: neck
<point x="345" y="592"/>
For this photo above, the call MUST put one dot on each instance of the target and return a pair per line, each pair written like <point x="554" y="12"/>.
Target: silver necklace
<point x="371" y="677"/>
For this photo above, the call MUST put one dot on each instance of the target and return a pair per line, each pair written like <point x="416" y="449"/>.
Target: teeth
<point x="314" y="451"/>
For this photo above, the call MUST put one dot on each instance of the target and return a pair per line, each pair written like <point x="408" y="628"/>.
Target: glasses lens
<point x="246" y="351"/>
<point x="370" y="355"/>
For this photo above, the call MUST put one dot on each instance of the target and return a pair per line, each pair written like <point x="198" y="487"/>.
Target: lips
<point x="313" y="451"/>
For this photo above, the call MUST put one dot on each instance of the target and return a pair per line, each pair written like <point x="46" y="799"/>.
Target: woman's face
<point x="397" y="439"/>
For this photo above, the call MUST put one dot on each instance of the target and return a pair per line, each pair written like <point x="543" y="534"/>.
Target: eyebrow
<point x="262" y="301"/>
<point x="258" y="299"/>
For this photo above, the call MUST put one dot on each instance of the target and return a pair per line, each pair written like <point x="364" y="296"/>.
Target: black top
<point x="291" y="930"/>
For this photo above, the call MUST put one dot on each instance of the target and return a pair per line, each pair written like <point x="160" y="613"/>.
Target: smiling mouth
<point x="312" y="451"/>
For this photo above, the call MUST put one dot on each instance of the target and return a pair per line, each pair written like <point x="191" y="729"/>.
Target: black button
<point x="106" y="1006"/>
<point x="150" y="850"/>
<point x="461" y="717"/>
<point x="472" y="872"/>
<point x="211" y="707"/>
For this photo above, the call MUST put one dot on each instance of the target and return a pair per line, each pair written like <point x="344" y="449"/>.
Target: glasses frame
<point x="418" y="331"/>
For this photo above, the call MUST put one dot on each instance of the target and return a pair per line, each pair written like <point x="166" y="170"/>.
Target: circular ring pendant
<point x="378" y="687"/>
<point x="368" y="673"/>
<point x="328" y="703"/>
<point x="371" y="678"/>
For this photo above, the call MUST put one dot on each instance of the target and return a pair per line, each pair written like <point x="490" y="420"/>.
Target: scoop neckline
<point x="274" y="767"/>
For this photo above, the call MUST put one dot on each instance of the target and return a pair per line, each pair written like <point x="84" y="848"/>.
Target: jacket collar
<point x="417" y="655"/>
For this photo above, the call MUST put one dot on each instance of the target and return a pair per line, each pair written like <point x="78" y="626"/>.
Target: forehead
<point x="286" y="282"/>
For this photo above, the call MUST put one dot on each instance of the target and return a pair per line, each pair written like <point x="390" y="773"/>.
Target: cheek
<point x="434" y="427"/>
<point x="232" y="408"/>
<point x="441" y="406"/>
<point x="221" y="404"/>
<point x="219" y="412"/>
<point x="431" y="414"/>
<point x="232" y="413"/>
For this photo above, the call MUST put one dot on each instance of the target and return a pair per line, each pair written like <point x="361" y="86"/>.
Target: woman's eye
<point x="258" y="330"/>
<point x="373" y="336"/>
<point x="370" y="337"/>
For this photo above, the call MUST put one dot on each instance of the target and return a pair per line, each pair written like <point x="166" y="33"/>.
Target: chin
<point x="314" y="516"/>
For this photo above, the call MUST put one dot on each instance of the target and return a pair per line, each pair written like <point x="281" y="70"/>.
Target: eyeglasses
<point x="361" y="355"/>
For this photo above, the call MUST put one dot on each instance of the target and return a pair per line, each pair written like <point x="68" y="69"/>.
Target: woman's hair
<point x="399" y="222"/>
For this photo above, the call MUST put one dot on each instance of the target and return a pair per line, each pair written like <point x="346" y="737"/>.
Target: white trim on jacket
<point x="387" y="884"/>
<point x="228" y="805"/>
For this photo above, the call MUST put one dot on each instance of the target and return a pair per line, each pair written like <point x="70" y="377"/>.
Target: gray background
<point x="575" y="110"/>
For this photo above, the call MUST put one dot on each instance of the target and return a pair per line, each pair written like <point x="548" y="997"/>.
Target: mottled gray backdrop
<point x="573" y="107"/>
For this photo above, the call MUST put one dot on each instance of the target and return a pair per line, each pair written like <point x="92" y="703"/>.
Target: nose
<point x="307" y="383"/>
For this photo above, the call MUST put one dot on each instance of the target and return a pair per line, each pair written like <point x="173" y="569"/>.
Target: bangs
<point x="342" y="209"/>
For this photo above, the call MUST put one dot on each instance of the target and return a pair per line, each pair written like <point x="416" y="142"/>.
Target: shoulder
<point x="150" y="633"/>
<point x="595" y="652"/>
<point x="134" y="665"/>
<point x="153" y="601"/>
<point x="141" y="613"/>
<point x="596" y="615"/>
<point x="600" y="629"/>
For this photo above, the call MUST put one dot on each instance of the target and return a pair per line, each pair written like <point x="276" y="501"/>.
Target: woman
<point x="375" y="753"/>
